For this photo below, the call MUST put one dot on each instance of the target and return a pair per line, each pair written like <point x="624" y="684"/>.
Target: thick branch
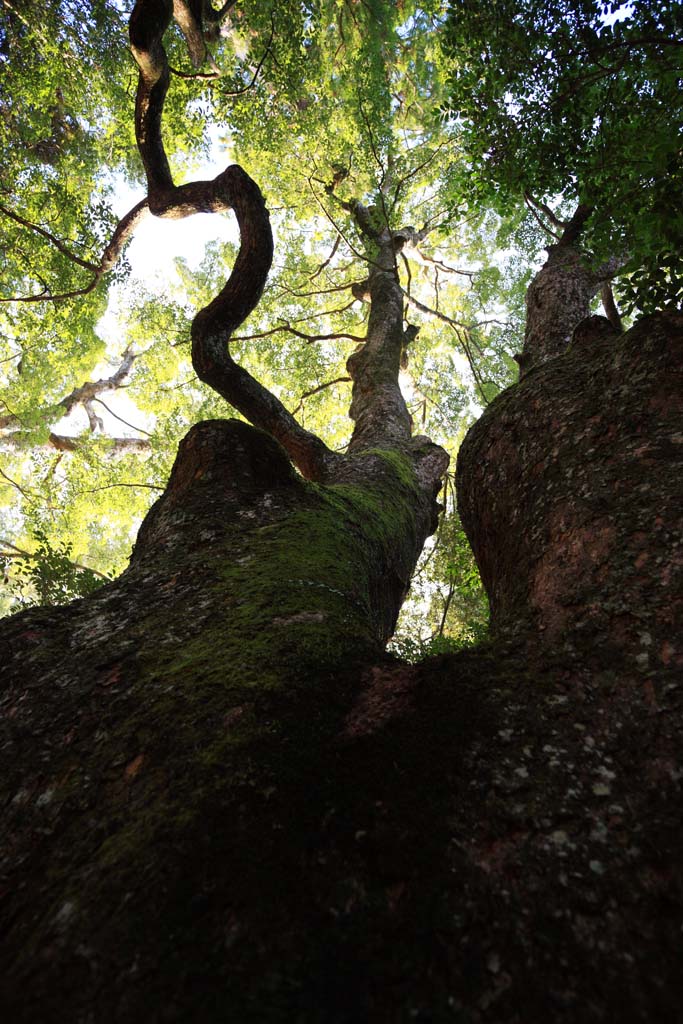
<point x="188" y="18"/>
<point x="148" y="22"/>
<point x="610" y="306"/>
<point x="560" y="295"/>
<point x="377" y="405"/>
<point x="231" y="190"/>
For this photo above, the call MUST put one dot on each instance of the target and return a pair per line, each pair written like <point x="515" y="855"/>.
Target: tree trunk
<point x="223" y="804"/>
<point x="559" y="297"/>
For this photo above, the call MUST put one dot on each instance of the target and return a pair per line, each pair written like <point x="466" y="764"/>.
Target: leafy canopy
<point x="578" y="101"/>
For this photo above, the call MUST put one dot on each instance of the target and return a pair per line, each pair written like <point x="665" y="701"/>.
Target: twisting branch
<point x="234" y="190"/>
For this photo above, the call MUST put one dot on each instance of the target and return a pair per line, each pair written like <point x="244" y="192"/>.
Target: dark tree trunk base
<point x="476" y="839"/>
<point x="222" y="805"/>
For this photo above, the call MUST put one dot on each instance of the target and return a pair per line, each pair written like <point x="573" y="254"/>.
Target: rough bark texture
<point x="559" y="297"/>
<point x="570" y="491"/>
<point x="378" y="407"/>
<point x="214" y="812"/>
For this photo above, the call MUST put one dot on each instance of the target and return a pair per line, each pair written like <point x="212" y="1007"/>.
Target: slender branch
<point x="310" y="338"/>
<point x="330" y="218"/>
<point x="108" y="487"/>
<point x="22" y="553"/>
<point x="423" y="257"/>
<point x="124" y="229"/>
<point x="435" y="312"/>
<point x="320" y="387"/>
<point x="447" y="604"/>
<point x="121" y="419"/>
<point x="27" y="494"/>
<point x="545" y="210"/>
<point x="539" y="220"/>
<point x="46" y="296"/>
<point x="329" y="259"/>
<point x="240" y="92"/>
<point x="58" y="244"/>
<point x="21" y="440"/>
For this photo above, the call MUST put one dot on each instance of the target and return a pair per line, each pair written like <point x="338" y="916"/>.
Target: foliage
<point x="326" y="104"/>
<point x="583" y="101"/>
<point x="447" y="609"/>
<point x="46" y="575"/>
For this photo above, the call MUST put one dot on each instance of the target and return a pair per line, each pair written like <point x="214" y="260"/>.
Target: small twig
<point x="121" y="419"/>
<point x="257" y="72"/>
<point x="320" y="387"/>
<point x="29" y="495"/>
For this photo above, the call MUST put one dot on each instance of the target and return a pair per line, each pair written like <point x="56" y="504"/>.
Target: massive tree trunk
<point x="223" y="805"/>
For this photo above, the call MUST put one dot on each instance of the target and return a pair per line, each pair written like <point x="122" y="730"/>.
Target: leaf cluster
<point x="582" y="100"/>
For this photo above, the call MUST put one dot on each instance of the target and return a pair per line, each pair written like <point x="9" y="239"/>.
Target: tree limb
<point x="234" y="190"/>
<point x="58" y="244"/>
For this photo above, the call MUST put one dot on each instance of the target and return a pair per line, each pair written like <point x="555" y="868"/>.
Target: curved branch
<point x="233" y="189"/>
<point x="148" y="23"/>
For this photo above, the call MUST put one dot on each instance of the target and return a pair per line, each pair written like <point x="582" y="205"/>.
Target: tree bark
<point x="559" y="297"/>
<point x="570" y="492"/>
<point x="222" y="804"/>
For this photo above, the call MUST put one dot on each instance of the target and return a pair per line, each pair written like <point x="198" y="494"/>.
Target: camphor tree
<point x="224" y="802"/>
